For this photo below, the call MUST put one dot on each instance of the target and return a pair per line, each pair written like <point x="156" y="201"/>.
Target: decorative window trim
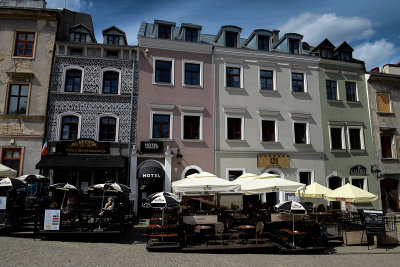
<point x="237" y="66"/>
<point x="184" y="61"/>
<point x="99" y="117"/>
<point x="242" y="138"/>
<point x="357" y="98"/>
<point x="304" y="80"/>
<point x="337" y="91"/>
<point x="306" y="170"/>
<point x="233" y="169"/>
<point x="183" y="114"/>
<point x="274" y="83"/>
<point x="73" y="67"/>
<point x="307" y="131"/>
<point x="197" y="168"/>
<point x="342" y="136"/>
<point x="15" y="43"/>
<point x="261" y="119"/>
<point x="171" y="124"/>
<point x="102" y="79"/>
<point x="365" y="185"/>
<point x="59" y="123"/>
<point x="362" y="143"/>
<point x="172" y="70"/>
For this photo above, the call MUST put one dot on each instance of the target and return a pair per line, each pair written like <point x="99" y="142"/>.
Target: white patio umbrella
<point x="244" y="178"/>
<point x="267" y="183"/>
<point x="7" y="171"/>
<point x="351" y="193"/>
<point x="202" y="182"/>
<point x="315" y="190"/>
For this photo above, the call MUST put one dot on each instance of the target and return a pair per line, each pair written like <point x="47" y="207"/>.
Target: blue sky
<point x="372" y="28"/>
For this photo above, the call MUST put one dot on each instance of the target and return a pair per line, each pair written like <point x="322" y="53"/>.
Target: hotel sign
<point x="280" y="161"/>
<point x="87" y="146"/>
<point x="151" y="147"/>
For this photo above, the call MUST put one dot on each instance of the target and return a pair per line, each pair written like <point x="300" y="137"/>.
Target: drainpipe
<point x="214" y="120"/>
<point x="131" y="116"/>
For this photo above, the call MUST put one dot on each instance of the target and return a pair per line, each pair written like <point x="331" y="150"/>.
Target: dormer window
<point x="231" y="39"/>
<point x="326" y="53"/>
<point x="294" y="46"/>
<point x="113" y="39"/>
<point x="263" y="43"/>
<point x="79" y="37"/>
<point x="191" y="35"/>
<point x="164" y="32"/>
<point x="345" y="55"/>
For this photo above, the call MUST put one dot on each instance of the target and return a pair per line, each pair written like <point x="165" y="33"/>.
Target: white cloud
<point x="75" y="5"/>
<point x="315" y="28"/>
<point x="375" y="54"/>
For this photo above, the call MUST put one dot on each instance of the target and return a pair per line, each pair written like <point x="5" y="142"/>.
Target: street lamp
<point x="179" y="157"/>
<point x="374" y="169"/>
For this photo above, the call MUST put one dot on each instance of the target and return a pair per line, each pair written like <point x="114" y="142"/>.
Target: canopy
<point x="351" y="193"/>
<point x="204" y="181"/>
<point x="267" y="183"/>
<point x="162" y="200"/>
<point x="7" y="171"/>
<point x="244" y="178"/>
<point x="315" y="190"/>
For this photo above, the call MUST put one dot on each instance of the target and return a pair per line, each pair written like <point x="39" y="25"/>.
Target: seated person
<point x="109" y="206"/>
<point x="321" y="208"/>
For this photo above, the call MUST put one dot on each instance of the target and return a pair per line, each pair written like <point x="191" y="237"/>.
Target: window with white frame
<point x="108" y="127"/>
<point x="192" y="126"/>
<point x="301" y="132"/>
<point x="69" y="127"/>
<point x="331" y="90"/>
<point x="336" y="136"/>
<point x="269" y="130"/>
<point x="233" y="76"/>
<point x="388" y="145"/>
<point x="305" y="176"/>
<point x="163" y="70"/>
<point x="192" y="73"/>
<point x="161" y="125"/>
<point x="233" y="173"/>
<point x="111" y="81"/>
<point x="234" y="127"/>
<point x="360" y="182"/>
<point x="73" y="79"/>
<point x="351" y="91"/>
<point x="298" y="81"/>
<point x="356" y="137"/>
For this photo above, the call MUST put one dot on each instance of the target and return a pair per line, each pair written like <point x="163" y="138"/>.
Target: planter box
<point x="284" y="217"/>
<point x="354" y="238"/>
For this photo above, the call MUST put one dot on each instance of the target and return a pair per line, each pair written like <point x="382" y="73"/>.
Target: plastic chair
<point x="219" y="231"/>
<point x="259" y="230"/>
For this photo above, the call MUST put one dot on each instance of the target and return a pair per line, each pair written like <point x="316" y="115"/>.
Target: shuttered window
<point x="384" y="103"/>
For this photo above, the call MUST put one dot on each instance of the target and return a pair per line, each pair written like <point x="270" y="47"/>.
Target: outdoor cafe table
<point x="295" y="235"/>
<point x="203" y="231"/>
<point x="246" y="229"/>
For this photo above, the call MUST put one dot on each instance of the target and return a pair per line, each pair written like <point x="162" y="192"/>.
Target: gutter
<point x="214" y="120"/>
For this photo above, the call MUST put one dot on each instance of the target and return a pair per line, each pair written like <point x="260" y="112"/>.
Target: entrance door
<point x="146" y="187"/>
<point x="390" y="195"/>
<point x="333" y="183"/>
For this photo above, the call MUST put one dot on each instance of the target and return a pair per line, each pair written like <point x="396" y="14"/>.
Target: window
<point x="305" y="177"/>
<point x="263" y="43"/>
<point x="268" y="131"/>
<point x="191" y="35"/>
<point x="300" y="133"/>
<point x="234" y="128"/>
<point x="233" y="77"/>
<point x="384" y="105"/>
<point x="326" y="53"/>
<point x="336" y="135"/>
<point x="359" y="182"/>
<point x="24" y="44"/>
<point x="297" y="82"/>
<point x="112" y="53"/>
<point x="345" y="55"/>
<point x="69" y="127"/>
<point x="356" y="138"/>
<point x="331" y="90"/>
<point x="80" y="37"/>
<point x="113" y="39"/>
<point x="73" y="80"/>
<point x="17" y="101"/>
<point x="293" y="46"/>
<point x="163" y="71"/>
<point x="232" y="174"/>
<point x="110" y="82"/>
<point x="11" y="157"/>
<point x="266" y="80"/>
<point x="161" y="126"/>
<point x="107" y="129"/>
<point x="76" y="51"/>
<point x="192" y="126"/>
<point x="388" y="146"/>
<point x="192" y="74"/>
<point x="231" y="39"/>
<point x="351" y="91"/>
<point x="164" y="32"/>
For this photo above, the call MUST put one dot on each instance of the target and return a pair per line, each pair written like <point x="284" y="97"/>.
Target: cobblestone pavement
<point x="131" y="251"/>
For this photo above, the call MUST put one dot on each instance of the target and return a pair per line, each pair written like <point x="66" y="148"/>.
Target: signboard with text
<point x="86" y="146"/>
<point x="280" y="161"/>
<point x="374" y="222"/>
<point x="358" y="170"/>
<point x="151" y="147"/>
<point x="52" y="220"/>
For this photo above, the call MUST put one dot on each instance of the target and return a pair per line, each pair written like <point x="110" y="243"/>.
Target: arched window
<point x="73" y="79"/>
<point x="69" y="128"/>
<point x="110" y="82"/>
<point x="107" y="129"/>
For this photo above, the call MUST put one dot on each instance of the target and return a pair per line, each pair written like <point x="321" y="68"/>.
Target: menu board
<point x="374" y="222"/>
<point x="52" y="220"/>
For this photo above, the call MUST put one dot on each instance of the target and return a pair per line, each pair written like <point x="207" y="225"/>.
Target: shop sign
<point x="52" y="220"/>
<point x="280" y="161"/>
<point x="151" y="147"/>
<point x="374" y="222"/>
<point x="358" y="170"/>
<point x="87" y="146"/>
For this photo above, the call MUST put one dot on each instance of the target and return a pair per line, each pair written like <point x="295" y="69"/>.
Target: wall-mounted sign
<point x="87" y="146"/>
<point x="52" y="220"/>
<point x="281" y="161"/>
<point x="151" y="147"/>
<point x="358" y="170"/>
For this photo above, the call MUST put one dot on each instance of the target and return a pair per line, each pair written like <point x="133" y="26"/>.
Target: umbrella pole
<point x="293" y="227"/>
<point x="62" y="203"/>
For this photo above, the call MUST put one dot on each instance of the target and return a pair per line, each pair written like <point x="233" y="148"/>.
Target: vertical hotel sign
<point x="280" y="161"/>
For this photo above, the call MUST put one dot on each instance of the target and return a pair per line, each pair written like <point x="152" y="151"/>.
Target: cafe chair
<point x="233" y="233"/>
<point x="259" y="230"/>
<point x="219" y="231"/>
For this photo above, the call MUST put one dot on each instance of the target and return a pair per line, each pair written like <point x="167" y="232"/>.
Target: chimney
<point x="275" y="36"/>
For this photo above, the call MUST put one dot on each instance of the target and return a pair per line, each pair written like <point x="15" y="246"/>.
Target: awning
<point x="82" y="162"/>
<point x="151" y="169"/>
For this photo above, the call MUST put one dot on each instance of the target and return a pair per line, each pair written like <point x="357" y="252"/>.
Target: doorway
<point x="333" y="183"/>
<point x="390" y="195"/>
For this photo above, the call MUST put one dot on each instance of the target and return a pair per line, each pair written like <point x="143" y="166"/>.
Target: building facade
<point x="384" y="95"/>
<point x="175" y="107"/>
<point x="27" y="36"/>
<point x="91" y="116"/>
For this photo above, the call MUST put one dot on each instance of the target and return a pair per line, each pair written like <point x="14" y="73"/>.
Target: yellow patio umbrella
<point x="244" y="178"/>
<point x="315" y="190"/>
<point x="351" y="193"/>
